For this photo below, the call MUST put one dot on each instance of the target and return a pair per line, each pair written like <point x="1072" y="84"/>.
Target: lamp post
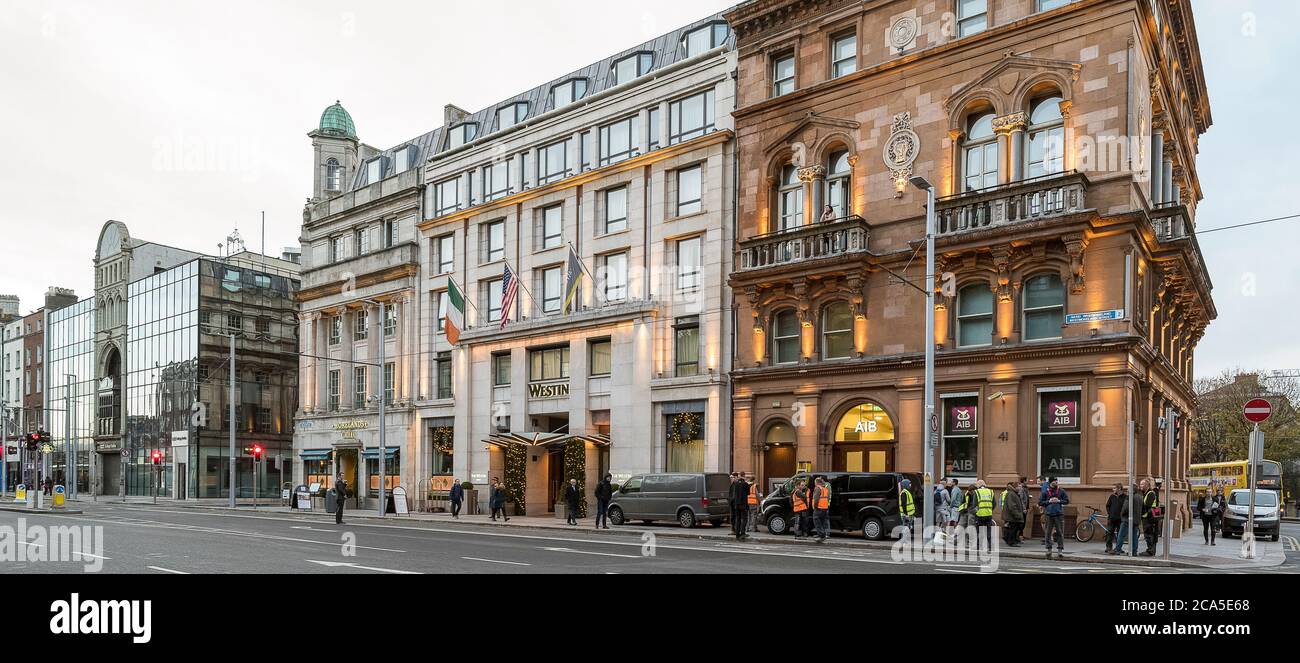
<point x="383" y="399"/>
<point x="930" y="426"/>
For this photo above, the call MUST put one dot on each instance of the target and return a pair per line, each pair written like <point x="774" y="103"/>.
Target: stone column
<point x="1167" y="186"/>
<point x="374" y="374"/>
<point x="1156" y="160"/>
<point x="814" y="186"/>
<point x="1011" y="145"/>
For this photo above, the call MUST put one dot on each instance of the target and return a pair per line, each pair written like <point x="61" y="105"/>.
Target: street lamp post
<point x="383" y="400"/>
<point x="930" y="425"/>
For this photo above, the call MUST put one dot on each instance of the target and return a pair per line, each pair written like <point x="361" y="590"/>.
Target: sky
<point x="187" y="120"/>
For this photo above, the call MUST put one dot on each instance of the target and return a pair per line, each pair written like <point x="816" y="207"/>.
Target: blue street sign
<point x="1094" y="316"/>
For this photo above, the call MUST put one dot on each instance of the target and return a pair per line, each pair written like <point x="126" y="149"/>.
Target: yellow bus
<point x="1232" y="475"/>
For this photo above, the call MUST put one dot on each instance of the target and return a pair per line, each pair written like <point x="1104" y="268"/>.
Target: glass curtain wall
<point x="70" y="339"/>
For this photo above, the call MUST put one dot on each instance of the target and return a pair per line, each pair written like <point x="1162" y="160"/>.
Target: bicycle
<point x="1084" y="531"/>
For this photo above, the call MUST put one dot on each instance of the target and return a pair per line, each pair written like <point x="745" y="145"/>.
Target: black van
<point x="864" y="502"/>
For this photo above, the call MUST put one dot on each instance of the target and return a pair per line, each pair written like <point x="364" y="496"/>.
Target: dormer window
<point x="704" y="39"/>
<point x="333" y="175"/>
<point x="509" y="116"/>
<point x="374" y="170"/>
<point x="632" y="67"/>
<point x="404" y="159"/>
<point x="461" y="134"/>
<point x="568" y="92"/>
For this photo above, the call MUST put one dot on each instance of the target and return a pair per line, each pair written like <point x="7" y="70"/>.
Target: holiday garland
<point x="442" y="440"/>
<point x="516" y="481"/>
<point x="575" y="467"/>
<point x="685" y="428"/>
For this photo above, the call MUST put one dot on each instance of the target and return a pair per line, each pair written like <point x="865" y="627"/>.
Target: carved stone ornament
<point x="902" y="147"/>
<point x="903" y="32"/>
<point x="1009" y="123"/>
<point x="811" y="173"/>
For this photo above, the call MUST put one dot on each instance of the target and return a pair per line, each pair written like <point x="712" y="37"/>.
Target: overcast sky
<point x="186" y="120"/>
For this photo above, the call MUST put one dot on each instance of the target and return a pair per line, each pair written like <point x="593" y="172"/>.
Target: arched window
<point x="980" y="162"/>
<point x="333" y="175"/>
<point x="1044" y="307"/>
<point x="785" y="338"/>
<point x="838" y="184"/>
<point x="867" y="422"/>
<point x="975" y="316"/>
<point x="780" y="433"/>
<point x="791" y="198"/>
<point x="1045" y="151"/>
<point x="837" y="331"/>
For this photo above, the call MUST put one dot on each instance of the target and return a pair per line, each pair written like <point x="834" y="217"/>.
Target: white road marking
<point x="313" y="529"/>
<point x="495" y="561"/>
<point x="940" y="568"/>
<point x="159" y="568"/>
<point x="354" y="565"/>
<point x="71" y="552"/>
<point x="590" y="552"/>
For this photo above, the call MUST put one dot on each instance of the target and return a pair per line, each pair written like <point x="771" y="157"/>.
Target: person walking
<point x="1116" y="504"/>
<point x="1210" y="506"/>
<point x="572" y="500"/>
<point x="799" y="505"/>
<point x="753" y="499"/>
<point x="340" y="496"/>
<point x="733" y="503"/>
<point x="1053" y="501"/>
<point x="1151" y="513"/>
<point x="740" y="507"/>
<point x="456" y="495"/>
<point x="1013" y="514"/>
<point x="497" y="500"/>
<point x="822" y="509"/>
<point x="1023" y="488"/>
<point x="906" y="504"/>
<point x="955" y="500"/>
<point x="940" y="505"/>
<point x="982" y="516"/>
<point x="604" y="493"/>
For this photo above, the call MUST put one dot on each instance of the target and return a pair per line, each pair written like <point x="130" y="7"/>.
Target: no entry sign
<point x="1257" y="410"/>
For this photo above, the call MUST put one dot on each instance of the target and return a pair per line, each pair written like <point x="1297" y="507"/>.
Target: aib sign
<point x="1062" y="415"/>
<point x="962" y="419"/>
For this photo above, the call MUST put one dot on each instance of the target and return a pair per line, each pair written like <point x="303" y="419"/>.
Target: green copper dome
<point x="335" y="121"/>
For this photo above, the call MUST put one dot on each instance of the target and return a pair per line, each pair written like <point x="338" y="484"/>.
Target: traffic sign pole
<point x="1256" y="411"/>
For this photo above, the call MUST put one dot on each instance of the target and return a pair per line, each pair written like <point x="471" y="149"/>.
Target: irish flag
<point x="455" y="315"/>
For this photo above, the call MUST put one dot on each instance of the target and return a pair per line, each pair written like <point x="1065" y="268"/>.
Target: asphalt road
<point x="161" y="540"/>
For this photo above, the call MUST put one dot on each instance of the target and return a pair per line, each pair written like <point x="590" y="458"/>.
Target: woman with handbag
<point x="1210" y="507"/>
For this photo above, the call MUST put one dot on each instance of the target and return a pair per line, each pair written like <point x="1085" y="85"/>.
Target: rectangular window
<point x="363" y="241"/>
<point x="552" y="227"/>
<point x="701" y="40"/>
<point x="359" y="388"/>
<point x="972" y="16"/>
<point x="390" y="321"/>
<point x="336" y="330"/>
<point x="448" y="195"/>
<point x="388" y="383"/>
<point x="494" y="241"/>
<point x="689" y="262"/>
<point x="443" y="361"/>
<point x="234" y="322"/>
<point x="446" y="254"/>
<point x="614" y="272"/>
<point x="686" y="346"/>
<point x="551" y="284"/>
<point x="402" y="160"/>
<point x="618" y="140"/>
<point x="601" y="358"/>
<point x="390" y="234"/>
<point x="960" y="435"/>
<point x="782" y="75"/>
<point x="527" y="168"/>
<point x="374" y="170"/>
<point x="492" y="299"/>
<point x="844" y="55"/>
<point x="548" y="364"/>
<point x="501" y="369"/>
<point x="334" y="391"/>
<point x="553" y="162"/>
<point x="652" y="129"/>
<point x="584" y="151"/>
<point x="685" y="441"/>
<point x="338" y="249"/>
<point x="361" y="326"/>
<point x="496" y="181"/>
<point x="690" y="190"/>
<point x="615" y="210"/>
<point x="690" y="117"/>
<point x="1058" y="433"/>
<point x="443" y="303"/>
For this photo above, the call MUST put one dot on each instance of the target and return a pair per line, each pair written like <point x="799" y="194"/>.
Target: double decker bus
<point x="1233" y="474"/>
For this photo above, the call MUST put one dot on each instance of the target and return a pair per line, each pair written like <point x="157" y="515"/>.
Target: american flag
<point x="509" y="288"/>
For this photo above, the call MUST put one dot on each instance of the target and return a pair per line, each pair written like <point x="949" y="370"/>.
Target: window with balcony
<point x="790" y="198"/>
<point x="1045" y="148"/>
<point x="972" y="16"/>
<point x="618" y="140"/>
<point x="839" y="189"/>
<point x="496" y="181"/>
<point x="783" y="74"/>
<point x="690" y="190"/>
<point x="844" y="55"/>
<point x="975" y="316"/>
<point x="615" y="210"/>
<point x="981" y="162"/>
<point x="786" y="340"/>
<point x="837" y="331"/>
<point x="690" y="117"/>
<point x="1044" y="307"/>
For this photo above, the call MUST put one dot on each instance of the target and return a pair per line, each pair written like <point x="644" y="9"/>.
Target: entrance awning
<point x="505" y="440"/>
<point x="389" y="452"/>
<point x="314" y="454"/>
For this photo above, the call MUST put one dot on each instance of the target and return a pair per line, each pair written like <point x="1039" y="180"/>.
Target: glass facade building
<point x="70" y="389"/>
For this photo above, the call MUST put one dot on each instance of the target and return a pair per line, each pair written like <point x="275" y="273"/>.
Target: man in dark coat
<point x="572" y="498"/>
<point x="740" y="507"/>
<point x="340" y="496"/>
<point x="604" y="492"/>
<point x="456" y="495"/>
<point x="497" y="499"/>
<point x="731" y="498"/>
<point x="1116" y="508"/>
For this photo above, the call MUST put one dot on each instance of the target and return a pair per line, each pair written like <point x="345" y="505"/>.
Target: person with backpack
<point x="1053" y="500"/>
<point x="1151" y="514"/>
<point x="940" y="505"/>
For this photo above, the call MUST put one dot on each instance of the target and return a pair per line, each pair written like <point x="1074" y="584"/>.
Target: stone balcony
<point x="1043" y="197"/>
<point x="1170" y="221"/>
<point x="826" y="239"/>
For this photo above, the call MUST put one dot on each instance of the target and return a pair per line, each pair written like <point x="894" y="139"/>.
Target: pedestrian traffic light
<point x="33" y="441"/>
<point x="157" y="456"/>
<point x="256" y="450"/>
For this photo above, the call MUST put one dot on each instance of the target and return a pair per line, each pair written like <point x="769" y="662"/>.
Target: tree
<point x="1222" y="433"/>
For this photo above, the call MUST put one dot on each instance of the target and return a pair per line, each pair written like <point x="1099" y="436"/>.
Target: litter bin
<point x="331" y="500"/>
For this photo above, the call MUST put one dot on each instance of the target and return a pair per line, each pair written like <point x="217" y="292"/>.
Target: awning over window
<point x="369" y="454"/>
<point x="314" y="454"/>
<point x="504" y="440"/>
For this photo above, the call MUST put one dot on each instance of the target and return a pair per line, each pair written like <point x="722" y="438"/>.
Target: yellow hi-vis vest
<point x="983" y="502"/>
<point x="906" y="505"/>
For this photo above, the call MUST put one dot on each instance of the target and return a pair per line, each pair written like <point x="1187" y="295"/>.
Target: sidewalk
<point x="1186" y="552"/>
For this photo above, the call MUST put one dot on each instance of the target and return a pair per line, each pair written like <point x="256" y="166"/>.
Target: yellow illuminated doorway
<point x="864" y="441"/>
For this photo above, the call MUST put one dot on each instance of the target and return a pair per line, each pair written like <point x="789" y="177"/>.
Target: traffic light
<point x="33" y="441"/>
<point x="256" y="450"/>
<point x="157" y="456"/>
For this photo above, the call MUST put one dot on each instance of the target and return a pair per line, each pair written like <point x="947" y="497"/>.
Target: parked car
<point x="688" y="498"/>
<point x="1266" y="513"/>
<point x="865" y="502"/>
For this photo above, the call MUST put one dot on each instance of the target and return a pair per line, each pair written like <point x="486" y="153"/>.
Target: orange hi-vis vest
<point x="823" y="497"/>
<point x="800" y="504"/>
<point x="753" y="495"/>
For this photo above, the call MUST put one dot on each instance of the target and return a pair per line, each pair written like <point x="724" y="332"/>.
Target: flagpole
<point x="463" y="295"/>
<point x="586" y="271"/>
<point x="520" y="282"/>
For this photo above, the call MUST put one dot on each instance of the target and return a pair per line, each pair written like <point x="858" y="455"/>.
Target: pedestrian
<point x="1151" y="513"/>
<point x="340" y="496"/>
<point x="982" y="512"/>
<point x="799" y="505"/>
<point x="604" y="492"/>
<point x="828" y="214"/>
<point x="732" y="503"/>
<point x="822" y="509"/>
<point x="497" y="500"/>
<point x="906" y="504"/>
<point x="740" y="507"/>
<point x="1013" y="514"/>
<point x="753" y="499"/>
<point x="572" y="500"/>
<point x="1115" y="506"/>
<point x="1132" y="509"/>
<point x="963" y="508"/>
<point x="955" y="499"/>
<point x="456" y="495"/>
<point x="1053" y="500"/>
<point x="1023" y="489"/>
<point x="1211" y="507"/>
<point x="940" y="505"/>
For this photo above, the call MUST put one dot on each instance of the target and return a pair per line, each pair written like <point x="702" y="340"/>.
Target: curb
<point x="46" y="511"/>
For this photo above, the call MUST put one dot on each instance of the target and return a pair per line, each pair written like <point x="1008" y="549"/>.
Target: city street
<point x="162" y="540"/>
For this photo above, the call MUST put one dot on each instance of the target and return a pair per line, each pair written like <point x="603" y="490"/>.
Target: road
<point x="162" y="540"/>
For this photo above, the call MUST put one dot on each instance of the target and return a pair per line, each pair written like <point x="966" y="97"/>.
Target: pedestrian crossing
<point x="1291" y="543"/>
